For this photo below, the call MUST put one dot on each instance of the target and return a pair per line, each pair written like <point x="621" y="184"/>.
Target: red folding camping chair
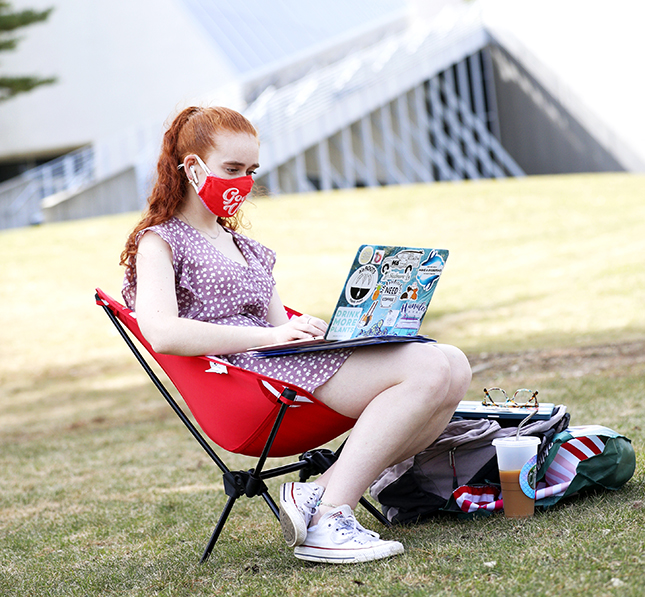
<point x="242" y="412"/>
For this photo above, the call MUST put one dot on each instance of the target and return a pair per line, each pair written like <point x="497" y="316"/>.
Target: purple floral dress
<point x="211" y="287"/>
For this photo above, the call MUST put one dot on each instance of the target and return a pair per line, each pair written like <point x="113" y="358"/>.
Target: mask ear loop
<point x="205" y="168"/>
<point x="194" y="180"/>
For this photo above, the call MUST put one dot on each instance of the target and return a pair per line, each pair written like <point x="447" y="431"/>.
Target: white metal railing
<point x="21" y="198"/>
<point x="295" y="106"/>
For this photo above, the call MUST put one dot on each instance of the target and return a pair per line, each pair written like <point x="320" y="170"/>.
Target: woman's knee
<point x="434" y="366"/>
<point x="458" y="360"/>
<point x="444" y="371"/>
<point x="460" y="371"/>
<point x="427" y="372"/>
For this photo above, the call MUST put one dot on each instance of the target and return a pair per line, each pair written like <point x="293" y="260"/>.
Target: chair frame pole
<point x="164" y="392"/>
<point x="254" y="483"/>
<point x="243" y="483"/>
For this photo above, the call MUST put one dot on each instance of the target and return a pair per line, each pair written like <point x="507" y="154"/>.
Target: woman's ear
<point x="190" y="165"/>
<point x="195" y="169"/>
<point x="189" y="161"/>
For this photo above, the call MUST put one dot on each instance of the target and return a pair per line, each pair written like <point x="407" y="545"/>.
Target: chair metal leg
<point x="224" y="517"/>
<point x="375" y="512"/>
<point x="272" y="505"/>
<point x="218" y="529"/>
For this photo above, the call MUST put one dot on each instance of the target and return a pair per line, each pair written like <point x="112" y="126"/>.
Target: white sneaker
<point x="298" y="503"/>
<point x="339" y="539"/>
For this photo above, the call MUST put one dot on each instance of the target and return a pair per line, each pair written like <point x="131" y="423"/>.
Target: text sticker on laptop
<point x="387" y="292"/>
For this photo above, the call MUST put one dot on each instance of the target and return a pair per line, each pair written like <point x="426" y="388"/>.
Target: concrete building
<point x="343" y="93"/>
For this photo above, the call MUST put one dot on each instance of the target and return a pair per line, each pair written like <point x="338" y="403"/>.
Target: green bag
<point x="584" y="458"/>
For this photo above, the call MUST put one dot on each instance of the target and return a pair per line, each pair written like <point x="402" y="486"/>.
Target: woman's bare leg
<point x="403" y="397"/>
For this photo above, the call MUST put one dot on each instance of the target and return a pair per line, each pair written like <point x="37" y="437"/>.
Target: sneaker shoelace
<point x="350" y="529"/>
<point x="310" y="505"/>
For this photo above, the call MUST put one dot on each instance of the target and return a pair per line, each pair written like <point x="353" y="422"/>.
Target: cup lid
<point x="522" y="441"/>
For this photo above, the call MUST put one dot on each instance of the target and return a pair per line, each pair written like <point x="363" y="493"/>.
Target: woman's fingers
<point x="313" y="325"/>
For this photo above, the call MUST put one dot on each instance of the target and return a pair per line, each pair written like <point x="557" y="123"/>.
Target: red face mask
<point x="221" y="196"/>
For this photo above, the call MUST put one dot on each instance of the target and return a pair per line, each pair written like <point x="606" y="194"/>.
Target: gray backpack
<point x="422" y="486"/>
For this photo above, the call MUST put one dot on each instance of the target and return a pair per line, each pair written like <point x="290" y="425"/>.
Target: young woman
<point x="200" y="287"/>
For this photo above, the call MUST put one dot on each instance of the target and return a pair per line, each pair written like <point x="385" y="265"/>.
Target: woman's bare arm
<point x="159" y="321"/>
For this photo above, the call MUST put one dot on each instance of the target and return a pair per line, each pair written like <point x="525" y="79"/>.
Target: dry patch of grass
<point x="102" y="491"/>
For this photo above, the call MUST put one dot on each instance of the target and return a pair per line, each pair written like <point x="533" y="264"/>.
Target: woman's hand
<point x="302" y="327"/>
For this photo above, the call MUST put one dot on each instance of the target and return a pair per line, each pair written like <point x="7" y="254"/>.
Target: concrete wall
<point x="119" y="64"/>
<point x="114" y="195"/>
<point x="538" y="131"/>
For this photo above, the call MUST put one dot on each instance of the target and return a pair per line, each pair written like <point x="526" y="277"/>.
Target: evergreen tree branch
<point x="10" y="86"/>
<point x="9" y="21"/>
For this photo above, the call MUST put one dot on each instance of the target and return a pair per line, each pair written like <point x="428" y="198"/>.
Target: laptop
<point x="384" y="299"/>
<point x="473" y="409"/>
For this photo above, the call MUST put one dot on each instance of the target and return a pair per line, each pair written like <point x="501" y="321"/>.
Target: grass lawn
<point x="103" y="492"/>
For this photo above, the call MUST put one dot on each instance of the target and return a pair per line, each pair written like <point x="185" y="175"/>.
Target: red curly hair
<point x="192" y="131"/>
